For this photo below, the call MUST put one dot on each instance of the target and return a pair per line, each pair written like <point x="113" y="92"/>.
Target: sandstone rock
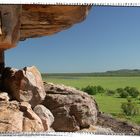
<point x="14" y="118"/>
<point x="4" y="96"/>
<point x="10" y="117"/>
<point x="45" y="115"/>
<point x="24" y="85"/>
<point x="72" y="109"/>
<point x="98" y="130"/>
<point x="10" y="25"/>
<point x="27" y="21"/>
<point x="117" y="125"/>
<point x="64" y="121"/>
<point x="32" y="125"/>
<point x="31" y="122"/>
<point x="42" y="20"/>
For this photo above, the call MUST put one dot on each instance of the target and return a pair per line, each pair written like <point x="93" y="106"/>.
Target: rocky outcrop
<point x="63" y="109"/>
<point x="27" y="21"/>
<point x="118" y="126"/>
<point x="4" y="96"/>
<point x="31" y="122"/>
<point x="45" y="115"/>
<point x="72" y="109"/>
<point x="42" y="20"/>
<point x="98" y="130"/>
<point x="18" y="118"/>
<point x="24" y="85"/>
<point x="9" y="25"/>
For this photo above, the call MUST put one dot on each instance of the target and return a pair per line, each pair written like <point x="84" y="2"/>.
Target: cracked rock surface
<point x="72" y="109"/>
<point x="14" y="118"/>
<point x="24" y="85"/>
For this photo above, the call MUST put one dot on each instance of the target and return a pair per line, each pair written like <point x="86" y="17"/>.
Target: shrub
<point x="119" y="90"/>
<point x="93" y="90"/>
<point x="90" y="90"/>
<point x="124" y="94"/>
<point x="128" y="91"/>
<point x="129" y="108"/>
<point x="133" y="92"/>
<point x="110" y="92"/>
<point x="100" y="89"/>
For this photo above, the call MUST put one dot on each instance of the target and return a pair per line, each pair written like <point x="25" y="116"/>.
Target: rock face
<point x="27" y="21"/>
<point x="31" y="121"/>
<point x="4" y="96"/>
<point x="45" y="115"/>
<point x="9" y="25"/>
<point x="72" y="109"/>
<point x="116" y="125"/>
<point x="18" y="118"/>
<point x="41" y="20"/>
<point x="24" y="85"/>
<point x="98" y="130"/>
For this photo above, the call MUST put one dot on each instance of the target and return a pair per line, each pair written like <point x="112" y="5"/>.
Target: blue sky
<point x="109" y="39"/>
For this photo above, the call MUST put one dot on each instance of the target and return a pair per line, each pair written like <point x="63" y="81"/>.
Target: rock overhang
<point x="28" y="21"/>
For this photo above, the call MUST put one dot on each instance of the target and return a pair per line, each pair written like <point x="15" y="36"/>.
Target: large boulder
<point x="72" y="109"/>
<point x="31" y="121"/>
<point x="18" y="117"/>
<point x="45" y="115"/>
<point x="24" y="85"/>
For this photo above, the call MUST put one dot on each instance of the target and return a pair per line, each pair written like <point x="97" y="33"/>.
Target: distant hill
<point x="124" y="72"/>
<point x="121" y="72"/>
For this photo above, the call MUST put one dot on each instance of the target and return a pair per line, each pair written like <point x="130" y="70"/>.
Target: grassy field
<point x="105" y="82"/>
<point x="107" y="104"/>
<point x="112" y="105"/>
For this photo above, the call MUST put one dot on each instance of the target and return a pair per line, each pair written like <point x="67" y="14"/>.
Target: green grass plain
<point x="105" y="82"/>
<point x="112" y="105"/>
<point x="107" y="104"/>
